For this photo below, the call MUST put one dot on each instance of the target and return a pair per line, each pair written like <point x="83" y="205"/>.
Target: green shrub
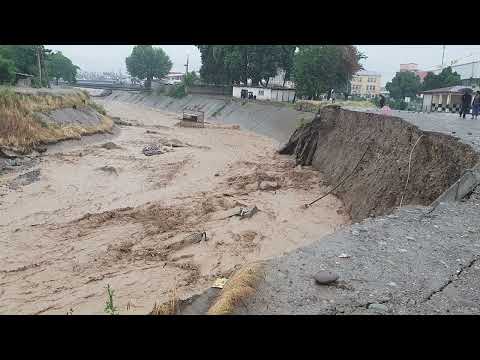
<point x="178" y="91"/>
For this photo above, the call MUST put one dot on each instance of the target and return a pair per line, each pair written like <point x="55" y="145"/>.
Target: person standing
<point x="333" y="96"/>
<point x="382" y="101"/>
<point x="476" y="105"/>
<point x="466" y="102"/>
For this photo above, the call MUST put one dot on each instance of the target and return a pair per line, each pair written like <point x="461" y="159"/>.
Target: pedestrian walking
<point x="476" y="105"/>
<point x="333" y="96"/>
<point x="466" y="102"/>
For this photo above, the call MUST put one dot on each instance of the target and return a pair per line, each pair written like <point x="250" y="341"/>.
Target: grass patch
<point x="240" y="286"/>
<point x="169" y="307"/>
<point x="21" y="129"/>
<point x="98" y="108"/>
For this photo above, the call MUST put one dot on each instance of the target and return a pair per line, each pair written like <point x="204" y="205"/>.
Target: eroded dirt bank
<point x="104" y="213"/>
<point x="336" y="139"/>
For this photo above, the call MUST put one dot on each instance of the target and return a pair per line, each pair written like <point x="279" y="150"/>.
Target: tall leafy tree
<point x="231" y="64"/>
<point x="61" y="67"/>
<point x="322" y="67"/>
<point x="445" y="79"/>
<point x="286" y="61"/>
<point x="23" y="56"/>
<point x="147" y="63"/>
<point x="404" y="84"/>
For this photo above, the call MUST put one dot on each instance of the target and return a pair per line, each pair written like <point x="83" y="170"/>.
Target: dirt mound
<point x="336" y="139"/>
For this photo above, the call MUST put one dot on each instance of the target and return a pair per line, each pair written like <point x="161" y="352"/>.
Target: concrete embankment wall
<point x="271" y="119"/>
<point x="336" y="140"/>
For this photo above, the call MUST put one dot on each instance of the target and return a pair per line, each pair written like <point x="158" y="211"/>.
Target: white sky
<point x="385" y="59"/>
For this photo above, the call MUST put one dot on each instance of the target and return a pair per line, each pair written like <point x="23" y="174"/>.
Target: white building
<point x="262" y="93"/>
<point x="173" y="78"/>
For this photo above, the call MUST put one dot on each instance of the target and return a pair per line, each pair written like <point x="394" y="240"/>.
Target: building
<point x="413" y="67"/>
<point x="23" y="80"/>
<point x="264" y="93"/>
<point x="173" y="78"/>
<point x="448" y="99"/>
<point x="366" y="84"/>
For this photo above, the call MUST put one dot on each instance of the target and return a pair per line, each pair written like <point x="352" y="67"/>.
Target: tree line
<point x="408" y="84"/>
<point x="35" y="60"/>
<point x="314" y="68"/>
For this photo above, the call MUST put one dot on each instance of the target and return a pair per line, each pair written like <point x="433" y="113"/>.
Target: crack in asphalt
<point x="453" y="278"/>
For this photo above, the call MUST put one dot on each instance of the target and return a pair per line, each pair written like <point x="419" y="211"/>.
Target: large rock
<point x="325" y="277"/>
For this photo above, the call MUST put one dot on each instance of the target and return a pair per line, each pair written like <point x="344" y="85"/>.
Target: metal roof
<point x="21" y="74"/>
<point x="450" y="89"/>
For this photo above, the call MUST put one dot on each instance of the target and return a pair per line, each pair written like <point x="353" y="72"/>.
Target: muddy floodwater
<point x="100" y="212"/>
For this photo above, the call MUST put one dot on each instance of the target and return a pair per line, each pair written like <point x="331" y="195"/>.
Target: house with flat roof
<point x="272" y="93"/>
<point x="23" y="80"/>
<point x="447" y="99"/>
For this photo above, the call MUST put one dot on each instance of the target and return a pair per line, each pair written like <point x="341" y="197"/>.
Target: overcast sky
<point x="384" y="59"/>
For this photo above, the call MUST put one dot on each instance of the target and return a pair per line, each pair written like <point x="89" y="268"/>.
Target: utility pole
<point x="443" y="55"/>
<point x="186" y="74"/>
<point x="39" y="49"/>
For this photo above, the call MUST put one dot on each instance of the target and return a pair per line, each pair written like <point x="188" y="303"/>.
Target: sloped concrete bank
<point x="336" y="140"/>
<point x="275" y="120"/>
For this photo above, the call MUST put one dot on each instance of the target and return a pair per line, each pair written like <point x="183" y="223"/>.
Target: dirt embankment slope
<point x="33" y="118"/>
<point x="336" y="139"/>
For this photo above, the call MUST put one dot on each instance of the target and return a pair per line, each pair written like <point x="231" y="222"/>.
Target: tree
<point x="61" y="67"/>
<point x="7" y="70"/>
<point x="445" y="79"/>
<point x="191" y="78"/>
<point x="322" y="67"/>
<point x="231" y="64"/>
<point x="23" y="56"/>
<point x="25" y="60"/>
<point x="147" y="63"/>
<point x="404" y="84"/>
<point x="286" y="61"/>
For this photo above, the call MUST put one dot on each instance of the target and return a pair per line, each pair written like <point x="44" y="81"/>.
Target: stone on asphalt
<point x="325" y="277"/>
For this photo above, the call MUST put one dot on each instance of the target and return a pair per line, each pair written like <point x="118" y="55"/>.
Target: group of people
<point x="467" y="103"/>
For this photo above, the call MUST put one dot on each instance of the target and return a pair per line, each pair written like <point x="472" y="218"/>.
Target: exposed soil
<point x="336" y="139"/>
<point x="101" y="215"/>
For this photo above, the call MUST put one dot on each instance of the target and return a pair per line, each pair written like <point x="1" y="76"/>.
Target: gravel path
<point x="466" y="130"/>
